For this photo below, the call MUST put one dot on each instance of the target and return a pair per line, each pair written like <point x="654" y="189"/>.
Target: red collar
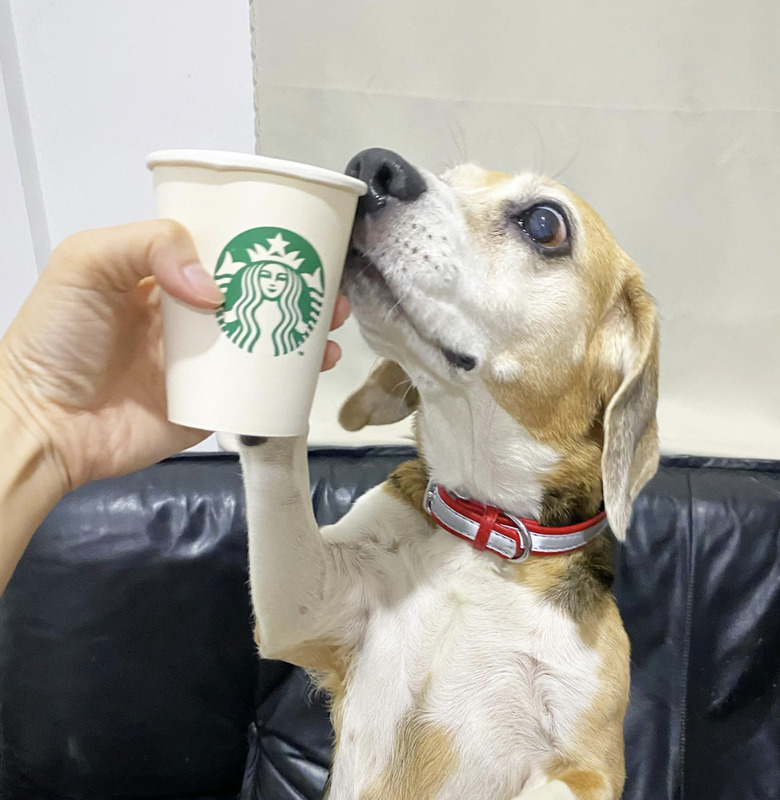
<point x="513" y="538"/>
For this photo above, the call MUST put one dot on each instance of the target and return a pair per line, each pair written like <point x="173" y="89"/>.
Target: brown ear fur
<point x="387" y="396"/>
<point x="630" y="455"/>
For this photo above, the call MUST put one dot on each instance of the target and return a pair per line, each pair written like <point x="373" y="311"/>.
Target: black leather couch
<point x="128" y="668"/>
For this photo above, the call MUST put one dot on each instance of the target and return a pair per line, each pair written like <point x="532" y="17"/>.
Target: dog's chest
<point x="471" y="669"/>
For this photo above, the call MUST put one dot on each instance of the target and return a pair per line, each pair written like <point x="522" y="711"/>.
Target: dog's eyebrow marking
<point x="494" y="177"/>
<point x="471" y="178"/>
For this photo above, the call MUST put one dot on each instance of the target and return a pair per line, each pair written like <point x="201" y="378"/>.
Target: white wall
<point x="17" y="259"/>
<point x="92" y="87"/>
<point x="104" y="83"/>
<point x="107" y="82"/>
<point x="17" y="252"/>
<point x="664" y="115"/>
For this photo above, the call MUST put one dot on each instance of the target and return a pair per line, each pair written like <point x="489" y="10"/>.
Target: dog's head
<point x="480" y="283"/>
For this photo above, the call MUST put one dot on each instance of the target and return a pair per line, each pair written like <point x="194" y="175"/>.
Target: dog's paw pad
<point x="253" y="441"/>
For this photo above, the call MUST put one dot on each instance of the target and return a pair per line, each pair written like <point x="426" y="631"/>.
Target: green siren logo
<point x="273" y="284"/>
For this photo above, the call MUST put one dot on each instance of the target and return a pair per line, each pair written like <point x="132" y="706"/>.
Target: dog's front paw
<point x="253" y="441"/>
<point x="231" y="442"/>
<point x="278" y="450"/>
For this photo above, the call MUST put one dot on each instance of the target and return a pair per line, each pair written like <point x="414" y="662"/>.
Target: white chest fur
<point x="501" y="675"/>
<point x="475" y="447"/>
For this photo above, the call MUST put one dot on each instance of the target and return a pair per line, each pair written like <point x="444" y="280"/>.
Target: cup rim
<point x="223" y="160"/>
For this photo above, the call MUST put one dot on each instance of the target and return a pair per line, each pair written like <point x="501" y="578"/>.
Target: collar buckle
<point x="430" y="490"/>
<point x="526" y="540"/>
<point x="510" y="537"/>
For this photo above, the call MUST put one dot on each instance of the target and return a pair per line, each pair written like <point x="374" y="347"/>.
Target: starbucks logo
<point x="273" y="284"/>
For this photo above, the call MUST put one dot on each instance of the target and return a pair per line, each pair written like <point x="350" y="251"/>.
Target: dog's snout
<point x="386" y="175"/>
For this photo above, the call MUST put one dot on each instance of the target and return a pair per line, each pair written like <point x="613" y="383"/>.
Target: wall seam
<point x="24" y="143"/>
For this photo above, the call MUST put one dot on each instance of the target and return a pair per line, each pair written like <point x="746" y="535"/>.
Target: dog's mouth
<point x="359" y="268"/>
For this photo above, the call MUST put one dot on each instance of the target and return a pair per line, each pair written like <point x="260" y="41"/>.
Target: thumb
<point x="116" y="259"/>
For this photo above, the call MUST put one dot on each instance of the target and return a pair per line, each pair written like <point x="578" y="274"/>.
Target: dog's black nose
<point x="387" y="175"/>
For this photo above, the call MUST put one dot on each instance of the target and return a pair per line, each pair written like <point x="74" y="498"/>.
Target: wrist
<point x="28" y="455"/>
<point x="31" y="483"/>
<point x="23" y="425"/>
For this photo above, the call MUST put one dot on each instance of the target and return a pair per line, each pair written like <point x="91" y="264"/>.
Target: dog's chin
<point x="386" y="322"/>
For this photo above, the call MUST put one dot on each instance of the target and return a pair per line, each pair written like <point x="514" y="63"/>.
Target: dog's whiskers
<point x="400" y="383"/>
<point x="392" y="309"/>
<point x="406" y="393"/>
<point x="458" y="135"/>
<point x="572" y="158"/>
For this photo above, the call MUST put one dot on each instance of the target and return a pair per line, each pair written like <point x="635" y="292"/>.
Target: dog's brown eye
<point x="545" y="225"/>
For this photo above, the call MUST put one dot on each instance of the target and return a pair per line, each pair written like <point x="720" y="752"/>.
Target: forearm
<point x="30" y="485"/>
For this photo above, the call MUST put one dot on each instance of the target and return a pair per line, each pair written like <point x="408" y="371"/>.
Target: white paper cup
<point x="274" y="234"/>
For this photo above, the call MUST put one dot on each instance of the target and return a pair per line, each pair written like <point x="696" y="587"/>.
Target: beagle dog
<point x="460" y="615"/>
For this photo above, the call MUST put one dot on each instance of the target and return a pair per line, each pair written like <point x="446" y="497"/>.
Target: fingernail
<point x="202" y="284"/>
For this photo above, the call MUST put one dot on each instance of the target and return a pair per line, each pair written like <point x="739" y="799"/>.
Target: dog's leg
<point x="295" y="580"/>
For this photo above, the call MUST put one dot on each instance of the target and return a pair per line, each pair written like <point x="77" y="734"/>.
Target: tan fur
<point x="328" y="663"/>
<point x="423" y="758"/>
<point x="630" y="454"/>
<point x="495" y="178"/>
<point x="584" y="784"/>
<point x="471" y="177"/>
<point x="565" y="412"/>
<point x="578" y="583"/>
<point x="386" y="396"/>
<point x="407" y="482"/>
<point x="329" y="667"/>
<point x="589" y="395"/>
<point x="594" y="767"/>
<point x="563" y="404"/>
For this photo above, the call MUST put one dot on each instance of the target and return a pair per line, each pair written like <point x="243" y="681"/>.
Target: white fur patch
<point x="506" y="367"/>
<point x="479" y="655"/>
<point x="430" y="625"/>
<point x="476" y="448"/>
<point x="555" y="790"/>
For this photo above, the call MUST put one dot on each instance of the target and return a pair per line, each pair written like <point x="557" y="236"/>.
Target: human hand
<point x="81" y="365"/>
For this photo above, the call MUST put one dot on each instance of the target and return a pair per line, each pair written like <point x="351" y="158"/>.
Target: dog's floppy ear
<point x="630" y="455"/>
<point x="387" y="396"/>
